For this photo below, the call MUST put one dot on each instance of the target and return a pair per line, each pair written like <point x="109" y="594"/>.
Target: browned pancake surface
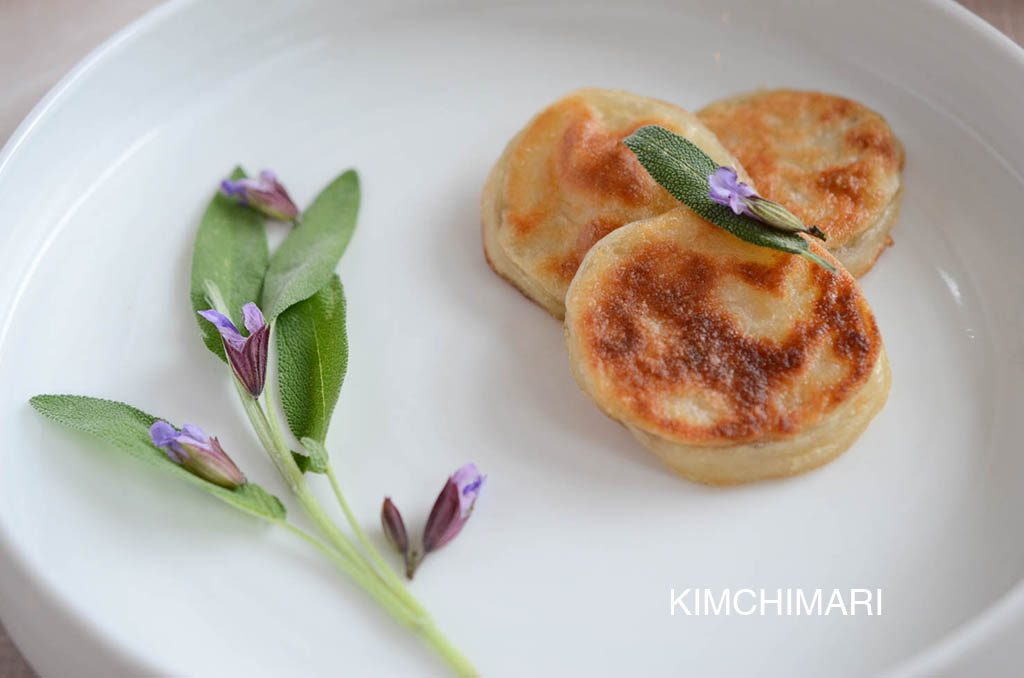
<point x="690" y="334"/>
<point x="832" y="161"/>
<point x="567" y="180"/>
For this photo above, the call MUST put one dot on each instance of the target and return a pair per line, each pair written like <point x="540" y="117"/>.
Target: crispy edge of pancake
<point x="490" y="212"/>
<point x="493" y="204"/>
<point x="859" y="255"/>
<point x="859" y="249"/>
<point x="808" y="450"/>
<point x="719" y="462"/>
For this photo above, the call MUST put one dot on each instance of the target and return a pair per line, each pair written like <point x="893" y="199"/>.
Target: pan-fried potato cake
<point x="566" y="180"/>
<point x="732" y="362"/>
<point x="832" y="161"/>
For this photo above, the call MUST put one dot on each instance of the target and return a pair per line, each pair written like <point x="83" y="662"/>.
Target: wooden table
<point x="41" y="39"/>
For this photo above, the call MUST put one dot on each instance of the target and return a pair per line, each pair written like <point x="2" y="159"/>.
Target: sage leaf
<point x="127" y="428"/>
<point x="231" y="251"/>
<point x="316" y="458"/>
<point x="308" y="256"/>
<point x="682" y="168"/>
<point x="312" y="358"/>
<point x="306" y="463"/>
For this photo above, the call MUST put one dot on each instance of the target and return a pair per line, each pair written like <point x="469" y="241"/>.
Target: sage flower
<point x="728" y="190"/>
<point x="246" y="355"/>
<point x="453" y="507"/>
<point x="725" y="188"/>
<point x="264" y="193"/>
<point x="198" y="453"/>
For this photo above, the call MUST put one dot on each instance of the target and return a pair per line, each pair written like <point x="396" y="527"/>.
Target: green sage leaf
<point x="127" y="429"/>
<point x="230" y="250"/>
<point x="306" y="463"/>
<point x="682" y="168"/>
<point x="316" y="458"/>
<point x="312" y="358"/>
<point x="308" y="256"/>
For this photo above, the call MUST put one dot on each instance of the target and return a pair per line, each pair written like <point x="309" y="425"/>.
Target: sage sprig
<point x="685" y="171"/>
<point x="303" y="309"/>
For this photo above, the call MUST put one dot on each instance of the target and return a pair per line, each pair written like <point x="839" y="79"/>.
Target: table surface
<point x="41" y="39"/>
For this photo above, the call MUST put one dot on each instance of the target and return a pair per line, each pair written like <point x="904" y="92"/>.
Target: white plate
<point x="567" y="566"/>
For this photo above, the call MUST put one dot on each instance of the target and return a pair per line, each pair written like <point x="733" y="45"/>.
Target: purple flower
<point x="246" y="355"/>
<point x="728" y="190"/>
<point x="200" y="454"/>
<point x="453" y="507"/>
<point x="725" y="188"/>
<point x="470" y="481"/>
<point x="264" y="193"/>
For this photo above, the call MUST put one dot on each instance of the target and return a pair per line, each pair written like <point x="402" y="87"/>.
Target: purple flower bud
<point x="725" y="188"/>
<point x="445" y="520"/>
<point x="198" y="453"/>
<point x="453" y="507"/>
<point x="394" y="526"/>
<point x="246" y="355"/>
<point x="264" y="193"/>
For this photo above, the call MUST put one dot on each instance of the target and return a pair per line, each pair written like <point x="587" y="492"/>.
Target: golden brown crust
<point x="586" y="166"/>
<point x="832" y="161"/>
<point x="566" y="180"/>
<point x="692" y="335"/>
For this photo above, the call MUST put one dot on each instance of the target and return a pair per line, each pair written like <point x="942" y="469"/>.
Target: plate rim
<point x="16" y="566"/>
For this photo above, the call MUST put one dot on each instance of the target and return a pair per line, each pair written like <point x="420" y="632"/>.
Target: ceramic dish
<point x="568" y="565"/>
